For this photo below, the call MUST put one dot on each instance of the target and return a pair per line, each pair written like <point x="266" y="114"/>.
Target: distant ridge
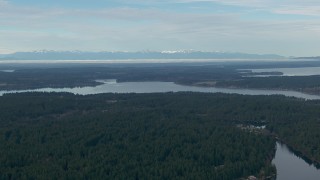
<point x="105" y="55"/>
<point x="312" y="57"/>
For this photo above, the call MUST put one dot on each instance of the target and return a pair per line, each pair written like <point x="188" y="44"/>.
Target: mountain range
<point x="106" y="55"/>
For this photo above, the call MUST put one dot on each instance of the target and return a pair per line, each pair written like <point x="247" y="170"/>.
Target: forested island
<point x="150" y="136"/>
<point x="159" y="90"/>
<point x="226" y="76"/>
<point x="305" y="84"/>
<point x="156" y="135"/>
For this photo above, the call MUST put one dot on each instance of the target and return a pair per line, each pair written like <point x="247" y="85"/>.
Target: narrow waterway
<point x="292" y="167"/>
<point x="289" y="166"/>
<point x="158" y="87"/>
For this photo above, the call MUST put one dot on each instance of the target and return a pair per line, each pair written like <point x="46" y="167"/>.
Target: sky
<point x="284" y="27"/>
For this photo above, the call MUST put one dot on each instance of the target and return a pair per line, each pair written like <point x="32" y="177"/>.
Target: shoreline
<point x="300" y="153"/>
<point x="213" y="85"/>
<point x="95" y="83"/>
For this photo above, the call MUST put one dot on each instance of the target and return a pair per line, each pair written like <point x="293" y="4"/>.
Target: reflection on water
<point x="291" y="167"/>
<point x="154" y="87"/>
<point x="7" y="70"/>
<point x="107" y="81"/>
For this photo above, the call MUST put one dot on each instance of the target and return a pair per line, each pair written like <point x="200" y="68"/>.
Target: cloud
<point x="135" y="28"/>
<point x="289" y="7"/>
<point x="294" y="10"/>
<point x="248" y="3"/>
<point x="3" y="3"/>
<point x="292" y="7"/>
<point x="5" y="51"/>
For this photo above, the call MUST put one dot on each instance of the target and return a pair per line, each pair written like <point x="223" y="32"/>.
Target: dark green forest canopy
<point x="306" y="84"/>
<point x="218" y="75"/>
<point x="149" y="136"/>
<point x="80" y="77"/>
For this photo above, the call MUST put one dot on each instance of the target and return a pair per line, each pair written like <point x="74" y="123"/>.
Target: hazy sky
<point x="286" y="27"/>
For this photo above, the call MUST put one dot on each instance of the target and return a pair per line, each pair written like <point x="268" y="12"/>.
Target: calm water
<point x="301" y="71"/>
<point x="152" y="87"/>
<point x="291" y="167"/>
<point x="7" y="70"/>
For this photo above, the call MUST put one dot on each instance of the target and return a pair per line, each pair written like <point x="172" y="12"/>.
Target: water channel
<point x="292" y="167"/>
<point x="111" y="86"/>
<point x="289" y="166"/>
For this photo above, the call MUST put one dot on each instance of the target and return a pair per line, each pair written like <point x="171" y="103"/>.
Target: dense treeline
<point x="150" y="136"/>
<point x="309" y="84"/>
<point x="211" y="75"/>
<point x="130" y="136"/>
<point x="86" y="76"/>
<point x="34" y="78"/>
<point x="303" y="136"/>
